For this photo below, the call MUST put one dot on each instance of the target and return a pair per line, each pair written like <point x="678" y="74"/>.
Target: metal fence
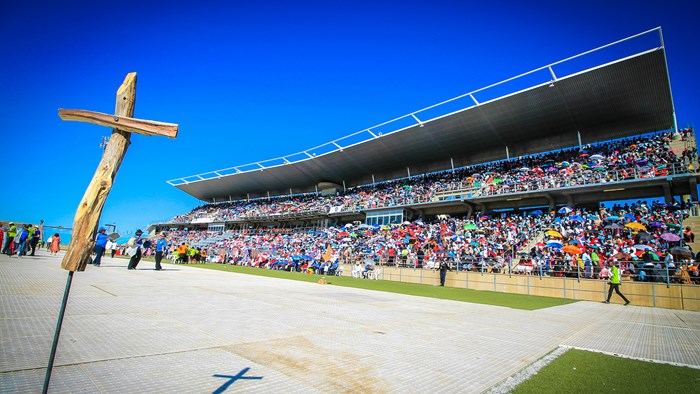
<point x="666" y="294"/>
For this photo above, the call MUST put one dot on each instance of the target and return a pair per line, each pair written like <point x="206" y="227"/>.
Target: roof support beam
<point x="420" y="123"/>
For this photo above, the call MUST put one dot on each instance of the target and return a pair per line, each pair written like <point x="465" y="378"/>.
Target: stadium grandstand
<point x="485" y="182"/>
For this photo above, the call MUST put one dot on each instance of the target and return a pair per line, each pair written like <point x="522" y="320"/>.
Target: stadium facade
<point x="570" y="107"/>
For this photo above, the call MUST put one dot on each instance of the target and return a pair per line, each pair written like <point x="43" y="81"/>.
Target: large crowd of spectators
<point x="618" y="160"/>
<point x="648" y="240"/>
<point x="569" y="242"/>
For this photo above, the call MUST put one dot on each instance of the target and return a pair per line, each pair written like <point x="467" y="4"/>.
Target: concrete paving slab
<point x="201" y="331"/>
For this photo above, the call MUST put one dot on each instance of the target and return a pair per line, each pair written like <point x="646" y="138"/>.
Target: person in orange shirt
<point x="688" y="235"/>
<point x="182" y="253"/>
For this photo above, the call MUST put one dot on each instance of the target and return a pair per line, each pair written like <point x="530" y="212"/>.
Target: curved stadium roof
<point x="624" y="97"/>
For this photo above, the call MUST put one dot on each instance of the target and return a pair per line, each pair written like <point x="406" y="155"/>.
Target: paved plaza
<point x="190" y="330"/>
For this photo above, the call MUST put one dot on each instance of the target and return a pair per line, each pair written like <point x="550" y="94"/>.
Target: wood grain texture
<point x="140" y="126"/>
<point x="92" y="203"/>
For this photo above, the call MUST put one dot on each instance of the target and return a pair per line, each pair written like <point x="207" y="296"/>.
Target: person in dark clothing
<point x="444" y="267"/>
<point x="420" y="255"/>
<point x="136" y="257"/>
<point x="161" y="246"/>
<point x="36" y="237"/>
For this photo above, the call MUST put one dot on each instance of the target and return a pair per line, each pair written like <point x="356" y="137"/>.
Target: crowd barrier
<point x="650" y="294"/>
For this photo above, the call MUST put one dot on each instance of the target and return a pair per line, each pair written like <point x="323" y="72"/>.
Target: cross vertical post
<point x="90" y="209"/>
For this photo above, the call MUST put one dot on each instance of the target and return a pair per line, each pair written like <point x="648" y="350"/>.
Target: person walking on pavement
<point x="100" y="246"/>
<point x="615" y="283"/>
<point x="34" y="241"/>
<point x="161" y="246"/>
<point x="444" y="267"/>
<point x="136" y="256"/>
<point x="111" y="247"/>
<point x="55" y="244"/>
<point x="10" y="239"/>
<point x="21" y="240"/>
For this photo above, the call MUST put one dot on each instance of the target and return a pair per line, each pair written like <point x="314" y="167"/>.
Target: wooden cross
<point x="90" y="208"/>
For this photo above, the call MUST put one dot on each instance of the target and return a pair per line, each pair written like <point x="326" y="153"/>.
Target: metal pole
<point x="52" y="356"/>
<point x="668" y="76"/>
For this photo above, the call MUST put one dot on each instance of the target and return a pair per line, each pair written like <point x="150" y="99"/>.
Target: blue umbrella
<point x="629" y="216"/>
<point x="554" y="244"/>
<point x="537" y="212"/>
<point x="576" y="218"/>
<point x="575" y="242"/>
<point x="122" y="240"/>
<point x="613" y="218"/>
<point x="565" y="210"/>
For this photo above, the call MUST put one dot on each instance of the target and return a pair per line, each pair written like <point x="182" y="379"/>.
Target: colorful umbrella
<point x="622" y="256"/>
<point x="681" y="252"/>
<point x="636" y="226"/>
<point x="553" y="244"/>
<point x="554" y="233"/>
<point x="613" y="226"/>
<point x="645" y="237"/>
<point x="670" y="237"/>
<point x="571" y="249"/>
<point x="565" y="210"/>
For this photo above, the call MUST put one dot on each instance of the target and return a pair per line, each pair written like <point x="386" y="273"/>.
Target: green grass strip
<point x="578" y="371"/>
<point x="516" y="301"/>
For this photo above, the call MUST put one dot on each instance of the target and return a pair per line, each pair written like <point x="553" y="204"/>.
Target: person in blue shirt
<point x="21" y="241"/>
<point x="100" y="246"/>
<point x="161" y="246"/>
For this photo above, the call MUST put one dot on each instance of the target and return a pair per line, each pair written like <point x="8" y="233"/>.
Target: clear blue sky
<point x="253" y="80"/>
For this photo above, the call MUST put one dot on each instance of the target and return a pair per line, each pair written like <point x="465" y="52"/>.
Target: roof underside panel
<point x="624" y="98"/>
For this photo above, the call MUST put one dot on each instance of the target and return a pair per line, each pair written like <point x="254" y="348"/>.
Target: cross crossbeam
<point x="140" y="126"/>
<point x="90" y="208"/>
